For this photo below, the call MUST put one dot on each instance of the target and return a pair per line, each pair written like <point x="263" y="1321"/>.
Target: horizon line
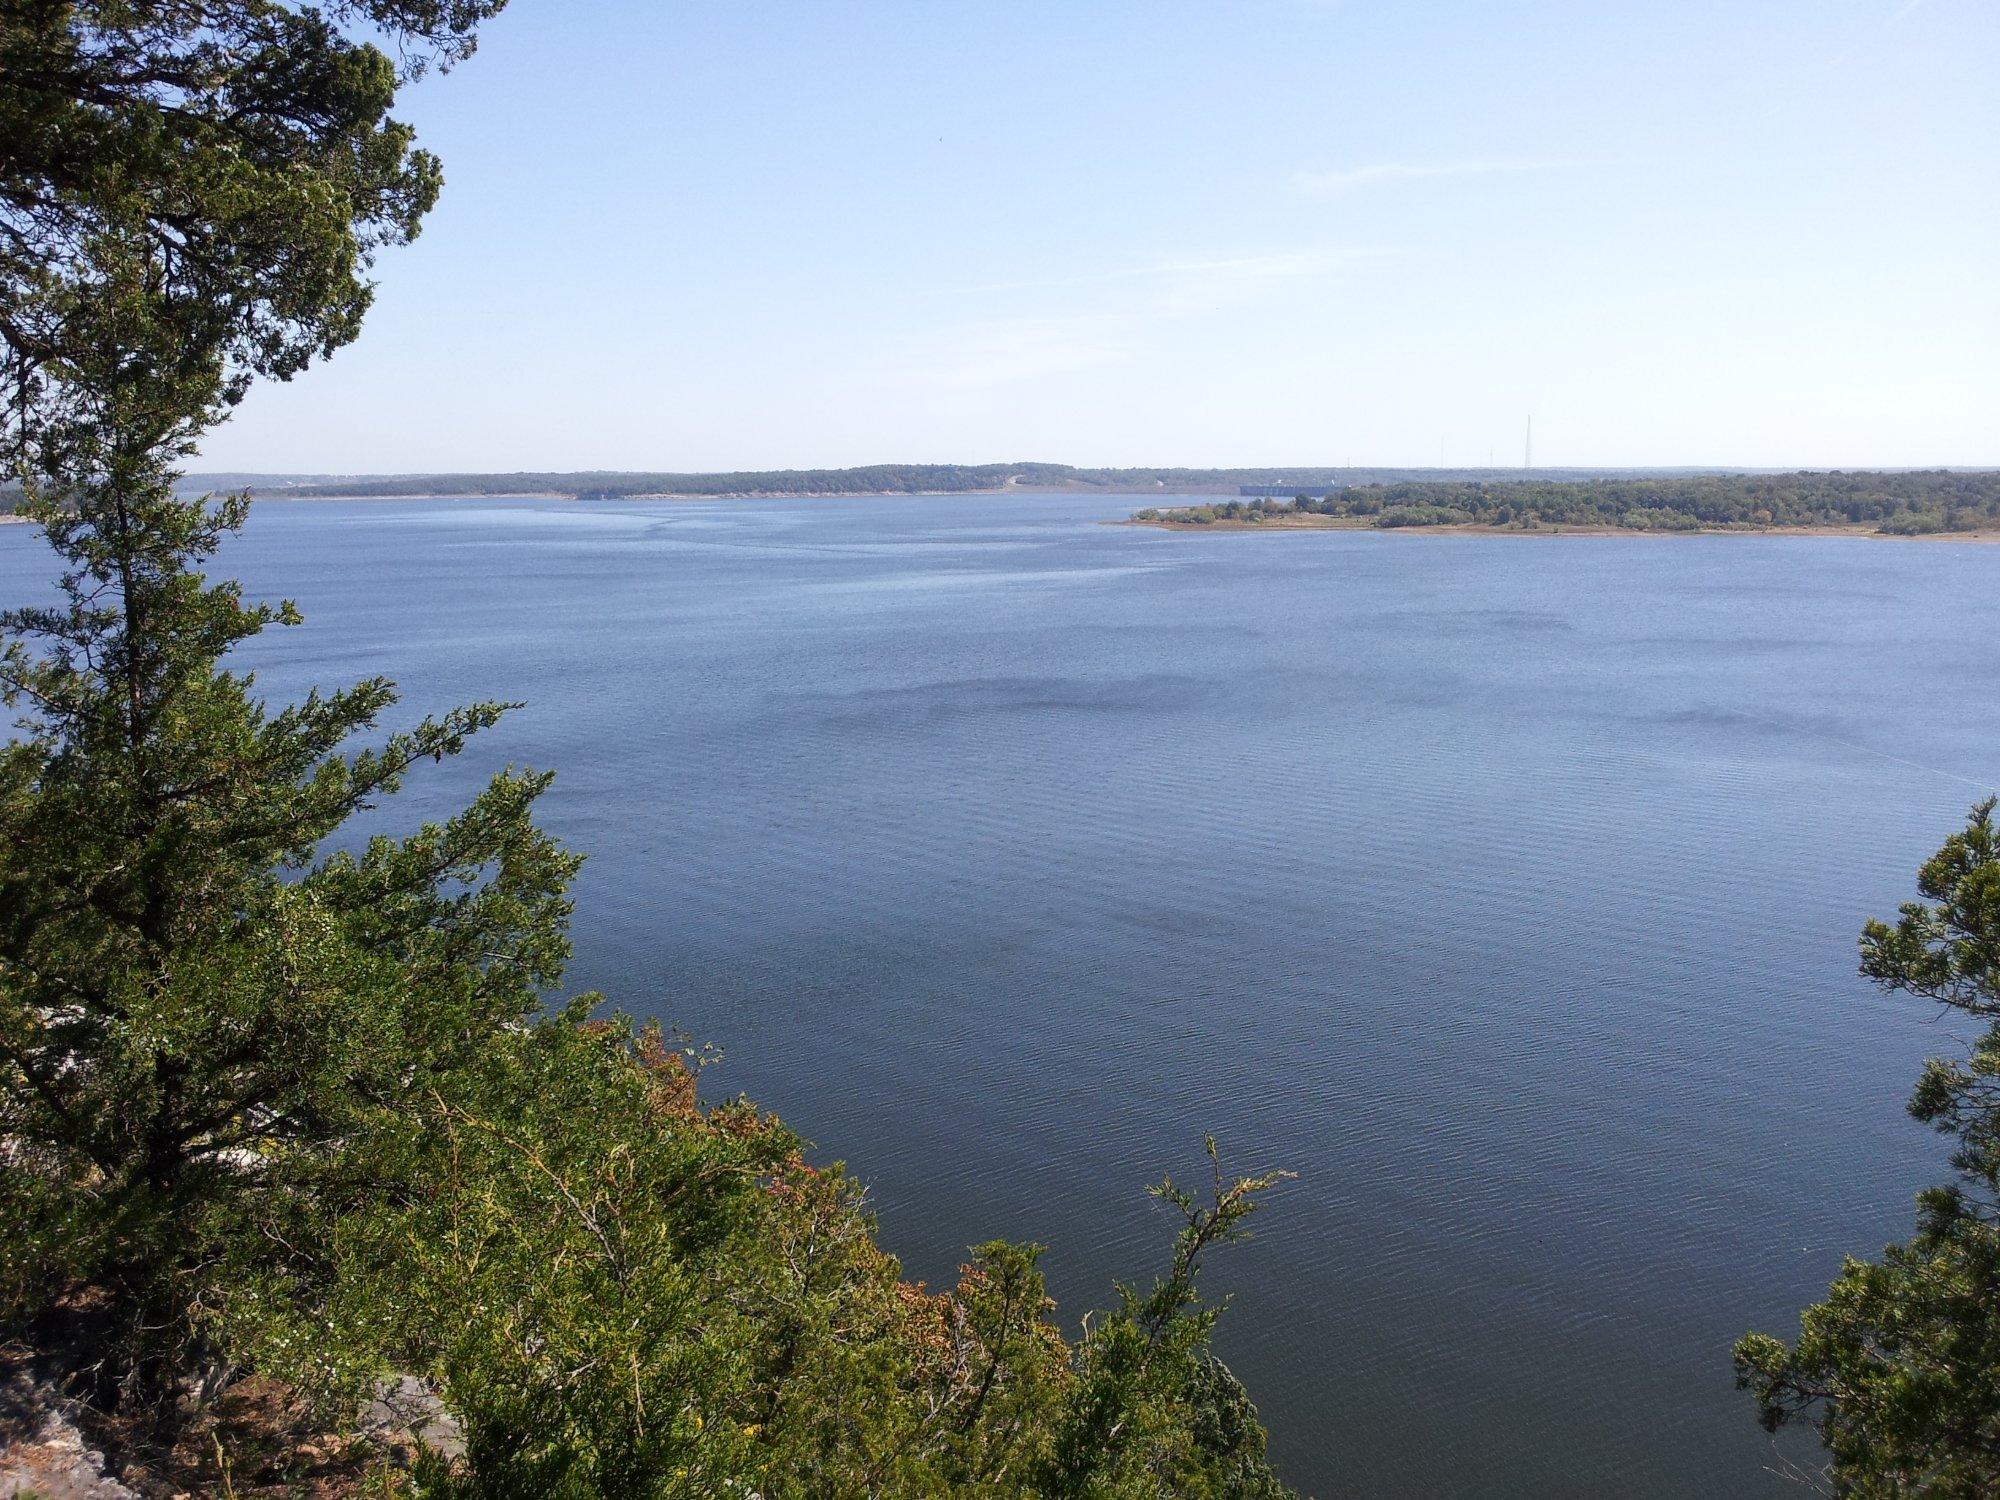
<point x="1494" y="467"/>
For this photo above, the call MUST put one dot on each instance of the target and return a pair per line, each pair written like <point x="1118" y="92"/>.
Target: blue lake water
<point x="1503" y="888"/>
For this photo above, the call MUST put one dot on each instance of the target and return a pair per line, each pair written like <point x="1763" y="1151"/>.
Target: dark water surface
<point x="1504" y="888"/>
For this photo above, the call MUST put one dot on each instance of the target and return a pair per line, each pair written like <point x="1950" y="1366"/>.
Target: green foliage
<point x="193" y="193"/>
<point x="1899" y="1369"/>
<point x="198" y="1016"/>
<point x="1149" y="1398"/>
<point x="1903" y="504"/>
<point x="1422" y="515"/>
<point x="620" y="1291"/>
<point x="1652" y="518"/>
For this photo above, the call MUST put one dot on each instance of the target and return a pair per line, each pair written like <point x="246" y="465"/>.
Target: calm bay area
<point x="1506" y="894"/>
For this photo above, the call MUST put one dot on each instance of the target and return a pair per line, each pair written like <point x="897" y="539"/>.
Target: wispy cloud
<point x="1004" y="351"/>
<point x="1210" y="286"/>
<point x="1351" y="179"/>
<point x="1281" y="265"/>
<point x="1119" y="308"/>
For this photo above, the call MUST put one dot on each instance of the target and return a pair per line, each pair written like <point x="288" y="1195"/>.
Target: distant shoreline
<point x="261" y="495"/>
<point x="258" y="496"/>
<point x="1363" y="524"/>
<point x="1271" y="525"/>
<point x="935" y="479"/>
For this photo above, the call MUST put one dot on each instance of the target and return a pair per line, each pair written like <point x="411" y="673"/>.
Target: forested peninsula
<point x="1935" y="502"/>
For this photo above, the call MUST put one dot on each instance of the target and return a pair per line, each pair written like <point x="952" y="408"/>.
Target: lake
<point x="1504" y="888"/>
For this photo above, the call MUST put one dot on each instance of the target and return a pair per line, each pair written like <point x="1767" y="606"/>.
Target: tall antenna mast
<point x="1528" y="454"/>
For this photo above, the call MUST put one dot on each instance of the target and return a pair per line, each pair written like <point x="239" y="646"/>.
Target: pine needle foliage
<point x="1898" y="1370"/>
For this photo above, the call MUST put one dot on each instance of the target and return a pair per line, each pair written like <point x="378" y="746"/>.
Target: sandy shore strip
<point x="1346" y="523"/>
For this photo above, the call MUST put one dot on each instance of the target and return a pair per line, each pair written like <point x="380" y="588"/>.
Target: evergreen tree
<point x="199" y="1012"/>
<point x="195" y="191"/>
<point x="1899" y="1369"/>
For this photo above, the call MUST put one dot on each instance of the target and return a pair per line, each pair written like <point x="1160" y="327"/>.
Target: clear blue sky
<point x="825" y="232"/>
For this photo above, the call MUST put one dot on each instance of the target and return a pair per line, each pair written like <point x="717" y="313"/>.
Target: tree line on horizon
<point x="1896" y="503"/>
<point x="890" y="479"/>
<point x="1711" y="497"/>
